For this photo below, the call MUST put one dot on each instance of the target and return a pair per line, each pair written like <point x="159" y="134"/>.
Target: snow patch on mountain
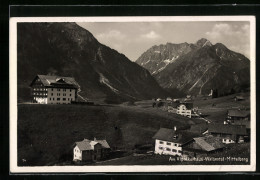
<point x="106" y="82"/>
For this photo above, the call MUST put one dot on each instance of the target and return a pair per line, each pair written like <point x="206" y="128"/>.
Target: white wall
<point x="182" y="110"/>
<point x="53" y="94"/>
<point x="77" y="154"/>
<point x="164" y="146"/>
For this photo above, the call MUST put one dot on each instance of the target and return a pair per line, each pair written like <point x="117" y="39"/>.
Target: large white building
<point x="53" y="89"/>
<point x="171" y="141"/>
<point x="184" y="109"/>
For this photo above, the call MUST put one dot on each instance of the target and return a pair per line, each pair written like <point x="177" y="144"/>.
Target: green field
<point x="218" y="112"/>
<point x="46" y="133"/>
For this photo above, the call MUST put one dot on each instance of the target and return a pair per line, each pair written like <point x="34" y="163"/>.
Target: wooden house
<point x="239" y="98"/>
<point x="203" y="146"/>
<point x="90" y="150"/>
<point x="236" y="114"/>
<point x="228" y="133"/>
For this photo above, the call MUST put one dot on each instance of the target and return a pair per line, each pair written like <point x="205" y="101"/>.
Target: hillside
<point x="46" y="133"/>
<point x="197" y="68"/>
<point x="66" y="49"/>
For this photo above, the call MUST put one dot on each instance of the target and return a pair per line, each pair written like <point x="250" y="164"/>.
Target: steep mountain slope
<point x="67" y="49"/>
<point x="157" y="58"/>
<point x="203" y="67"/>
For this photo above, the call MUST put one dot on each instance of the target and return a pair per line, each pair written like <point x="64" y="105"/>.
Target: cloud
<point x="111" y="35"/>
<point x="151" y="35"/>
<point x="235" y="36"/>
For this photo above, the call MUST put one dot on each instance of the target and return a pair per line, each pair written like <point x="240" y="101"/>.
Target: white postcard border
<point x="14" y="168"/>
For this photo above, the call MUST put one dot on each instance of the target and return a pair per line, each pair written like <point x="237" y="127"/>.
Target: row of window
<point x="40" y="89"/>
<point x="58" y="99"/>
<point x="41" y="94"/>
<point x="64" y="90"/>
<point x="226" y="140"/>
<point x="169" y="143"/>
<point x="168" y="149"/>
<point x="58" y="94"/>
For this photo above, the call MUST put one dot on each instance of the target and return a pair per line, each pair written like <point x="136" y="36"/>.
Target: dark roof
<point x="242" y="122"/>
<point x="87" y="144"/>
<point x="57" y="81"/>
<point x="209" y="143"/>
<point x="183" y="137"/>
<point x="227" y="129"/>
<point x="199" y="128"/>
<point x="238" y="113"/>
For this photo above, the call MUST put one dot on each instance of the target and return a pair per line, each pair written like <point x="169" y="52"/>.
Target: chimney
<point x="175" y="128"/>
<point x="95" y="139"/>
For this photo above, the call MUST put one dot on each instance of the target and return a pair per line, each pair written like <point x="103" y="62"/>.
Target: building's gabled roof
<point x="242" y="122"/>
<point x="87" y="144"/>
<point x="84" y="145"/>
<point x="170" y="135"/>
<point x="103" y="143"/>
<point x="227" y="129"/>
<point x="238" y="113"/>
<point x="209" y="143"/>
<point x="57" y="81"/>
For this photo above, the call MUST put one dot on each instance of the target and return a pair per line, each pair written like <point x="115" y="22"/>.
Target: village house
<point x="185" y="109"/>
<point x="90" y="150"/>
<point x="228" y="133"/>
<point x="53" y="89"/>
<point x="203" y="146"/>
<point x="239" y="98"/>
<point x="236" y="114"/>
<point x="171" y="141"/>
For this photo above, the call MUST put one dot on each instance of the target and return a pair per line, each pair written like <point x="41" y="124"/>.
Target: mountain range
<point x="66" y="49"/>
<point x="197" y="68"/>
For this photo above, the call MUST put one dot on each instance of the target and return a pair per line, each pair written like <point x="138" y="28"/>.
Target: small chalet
<point x="53" y="89"/>
<point x="204" y="145"/>
<point x="228" y="133"/>
<point x="90" y="150"/>
<point x="236" y="114"/>
<point x="171" y="141"/>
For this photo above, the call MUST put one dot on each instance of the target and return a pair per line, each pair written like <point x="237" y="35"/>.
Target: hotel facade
<point x="53" y="89"/>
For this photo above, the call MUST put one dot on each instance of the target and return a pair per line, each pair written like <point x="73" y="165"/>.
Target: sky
<point x="134" y="38"/>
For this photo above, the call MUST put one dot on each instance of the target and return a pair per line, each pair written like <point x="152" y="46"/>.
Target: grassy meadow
<point x="46" y="133"/>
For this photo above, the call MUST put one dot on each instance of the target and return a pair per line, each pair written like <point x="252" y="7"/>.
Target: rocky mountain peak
<point x="203" y="42"/>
